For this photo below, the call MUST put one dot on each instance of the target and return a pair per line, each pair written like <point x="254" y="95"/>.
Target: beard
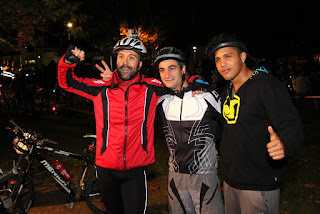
<point x="126" y="72"/>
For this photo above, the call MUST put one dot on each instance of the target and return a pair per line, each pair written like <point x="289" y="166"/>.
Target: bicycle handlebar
<point x="33" y="136"/>
<point x="11" y="121"/>
<point x="28" y="135"/>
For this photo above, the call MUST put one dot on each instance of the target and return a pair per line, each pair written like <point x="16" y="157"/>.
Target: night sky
<point x="273" y="28"/>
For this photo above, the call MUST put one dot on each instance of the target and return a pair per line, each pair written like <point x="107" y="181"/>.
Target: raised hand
<point x="106" y="73"/>
<point x="74" y="55"/>
<point x="275" y="146"/>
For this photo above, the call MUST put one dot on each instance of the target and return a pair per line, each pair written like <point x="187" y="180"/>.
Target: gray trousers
<point x="250" y="202"/>
<point x="194" y="194"/>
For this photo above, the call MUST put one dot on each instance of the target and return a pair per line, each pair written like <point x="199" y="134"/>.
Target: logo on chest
<point x="231" y="109"/>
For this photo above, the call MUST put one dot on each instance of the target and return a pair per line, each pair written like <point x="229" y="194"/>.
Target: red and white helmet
<point x="130" y="43"/>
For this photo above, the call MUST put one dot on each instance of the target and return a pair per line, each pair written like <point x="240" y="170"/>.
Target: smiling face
<point x="128" y="64"/>
<point x="171" y="73"/>
<point x="229" y="62"/>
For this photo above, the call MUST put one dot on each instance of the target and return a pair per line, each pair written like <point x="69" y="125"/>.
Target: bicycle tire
<point x="25" y="198"/>
<point x="93" y="197"/>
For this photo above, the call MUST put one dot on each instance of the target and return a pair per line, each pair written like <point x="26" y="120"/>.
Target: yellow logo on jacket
<point x="231" y="109"/>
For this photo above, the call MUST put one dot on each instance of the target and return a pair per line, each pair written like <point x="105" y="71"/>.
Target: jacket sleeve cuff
<point x="66" y="65"/>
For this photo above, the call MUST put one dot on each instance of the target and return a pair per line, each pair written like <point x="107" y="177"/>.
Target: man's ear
<point x="140" y="65"/>
<point x="243" y="56"/>
<point x="184" y="69"/>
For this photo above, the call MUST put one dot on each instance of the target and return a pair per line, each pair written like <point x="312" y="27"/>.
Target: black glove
<point x="70" y="56"/>
<point x="198" y="84"/>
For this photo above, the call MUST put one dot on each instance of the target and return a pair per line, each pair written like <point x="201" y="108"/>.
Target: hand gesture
<point x="74" y="55"/>
<point x="275" y="146"/>
<point x="106" y="73"/>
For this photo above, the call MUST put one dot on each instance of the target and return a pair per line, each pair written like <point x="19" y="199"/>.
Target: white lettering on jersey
<point x="156" y="81"/>
<point x="99" y="82"/>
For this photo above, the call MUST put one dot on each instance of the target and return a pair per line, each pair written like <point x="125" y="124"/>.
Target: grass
<point x="300" y="191"/>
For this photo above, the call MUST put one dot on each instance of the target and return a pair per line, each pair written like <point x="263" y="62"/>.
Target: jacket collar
<point x="116" y="81"/>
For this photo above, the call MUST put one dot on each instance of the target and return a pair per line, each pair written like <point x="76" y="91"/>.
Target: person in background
<point x="301" y="86"/>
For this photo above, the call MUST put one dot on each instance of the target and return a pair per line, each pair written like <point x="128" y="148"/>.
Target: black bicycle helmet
<point x="168" y="53"/>
<point x="223" y="40"/>
<point x="130" y="43"/>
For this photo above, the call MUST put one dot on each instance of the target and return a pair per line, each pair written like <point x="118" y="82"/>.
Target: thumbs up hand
<point x="275" y="146"/>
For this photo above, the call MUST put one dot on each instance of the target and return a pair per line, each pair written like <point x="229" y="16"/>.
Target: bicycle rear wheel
<point x="18" y="195"/>
<point x="93" y="197"/>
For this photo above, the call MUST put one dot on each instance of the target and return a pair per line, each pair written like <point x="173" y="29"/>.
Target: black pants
<point x="123" y="191"/>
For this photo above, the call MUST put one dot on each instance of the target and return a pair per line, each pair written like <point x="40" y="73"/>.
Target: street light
<point x="69" y="25"/>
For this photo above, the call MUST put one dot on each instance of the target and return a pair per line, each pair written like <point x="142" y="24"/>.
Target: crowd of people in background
<point x="27" y="87"/>
<point x="32" y="86"/>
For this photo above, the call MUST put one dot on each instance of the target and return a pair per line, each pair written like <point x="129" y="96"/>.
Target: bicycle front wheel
<point x="19" y="194"/>
<point x="93" y="197"/>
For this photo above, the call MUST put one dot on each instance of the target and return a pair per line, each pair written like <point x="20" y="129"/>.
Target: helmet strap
<point x="181" y="87"/>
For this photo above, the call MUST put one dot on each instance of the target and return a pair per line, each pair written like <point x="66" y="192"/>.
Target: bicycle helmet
<point x="130" y="43"/>
<point x="229" y="40"/>
<point x="224" y="40"/>
<point x="168" y="53"/>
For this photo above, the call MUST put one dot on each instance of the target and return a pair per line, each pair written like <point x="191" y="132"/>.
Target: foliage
<point x="42" y="23"/>
<point x="26" y="22"/>
<point x="152" y="37"/>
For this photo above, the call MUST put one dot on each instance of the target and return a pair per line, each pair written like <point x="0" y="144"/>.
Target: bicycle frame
<point x="34" y="153"/>
<point x="31" y="146"/>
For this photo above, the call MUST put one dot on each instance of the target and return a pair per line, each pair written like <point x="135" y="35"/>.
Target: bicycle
<point x="17" y="190"/>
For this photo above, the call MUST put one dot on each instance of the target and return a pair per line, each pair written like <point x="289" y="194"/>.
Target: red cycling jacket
<point x="124" y="116"/>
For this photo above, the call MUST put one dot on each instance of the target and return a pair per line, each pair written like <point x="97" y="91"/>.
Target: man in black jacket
<point x="261" y="128"/>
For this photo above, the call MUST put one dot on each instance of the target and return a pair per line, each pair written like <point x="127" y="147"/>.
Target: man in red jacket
<point x="125" y="109"/>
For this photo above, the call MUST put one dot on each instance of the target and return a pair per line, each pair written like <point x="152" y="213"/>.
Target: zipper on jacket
<point x="181" y="127"/>
<point x="126" y="95"/>
<point x="181" y="110"/>
<point x="125" y="130"/>
<point x="181" y="118"/>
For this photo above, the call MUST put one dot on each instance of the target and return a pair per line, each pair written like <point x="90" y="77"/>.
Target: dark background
<point x="285" y="33"/>
<point x="271" y="28"/>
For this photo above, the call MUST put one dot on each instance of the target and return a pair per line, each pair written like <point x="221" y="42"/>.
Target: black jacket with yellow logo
<point x="261" y="101"/>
